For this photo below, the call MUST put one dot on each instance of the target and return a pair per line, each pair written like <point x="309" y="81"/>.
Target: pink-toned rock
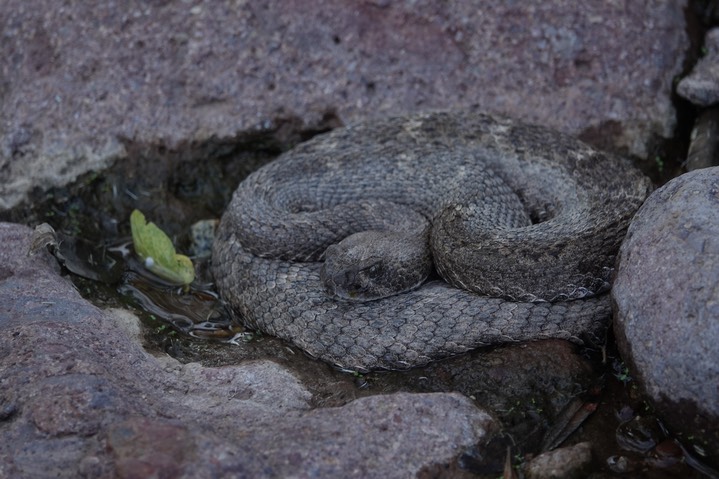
<point x="81" y="398"/>
<point x="82" y="84"/>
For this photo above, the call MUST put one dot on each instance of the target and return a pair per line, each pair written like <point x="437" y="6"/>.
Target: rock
<point x="526" y="385"/>
<point x="87" y="85"/>
<point x="378" y="436"/>
<point x="666" y="302"/>
<point x="81" y="398"/>
<point x="704" y="146"/>
<point x="701" y="86"/>
<point x="202" y="235"/>
<point x="565" y="463"/>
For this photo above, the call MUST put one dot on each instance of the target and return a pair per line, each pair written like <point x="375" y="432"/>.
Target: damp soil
<point x="597" y="401"/>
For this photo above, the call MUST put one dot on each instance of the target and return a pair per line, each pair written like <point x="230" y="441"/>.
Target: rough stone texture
<point x="666" y="297"/>
<point x="80" y="398"/>
<point x="527" y="386"/>
<point x="81" y="82"/>
<point x="565" y="463"/>
<point x="704" y="147"/>
<point x="701" y="86"/>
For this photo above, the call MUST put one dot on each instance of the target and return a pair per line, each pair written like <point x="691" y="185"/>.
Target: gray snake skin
<point x="521" y="223"/>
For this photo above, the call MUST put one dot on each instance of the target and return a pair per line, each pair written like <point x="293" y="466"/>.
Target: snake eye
<point x="375" y="270"/>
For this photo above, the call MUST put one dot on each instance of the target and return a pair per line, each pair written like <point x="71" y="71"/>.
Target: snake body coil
<point x="329" y="246"/>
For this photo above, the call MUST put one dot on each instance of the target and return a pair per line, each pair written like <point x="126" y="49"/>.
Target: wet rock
<point x="85" y="85"/>
<point x="701" y="86"/>
<point x="667" y="305"/>
<point x="565" y="463"/>
<point x="81" y="398"/>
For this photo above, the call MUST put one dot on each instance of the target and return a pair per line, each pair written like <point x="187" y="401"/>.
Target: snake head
<point x="372" y="265"/>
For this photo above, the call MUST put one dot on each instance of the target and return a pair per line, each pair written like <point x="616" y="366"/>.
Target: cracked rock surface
<point x="81" y="85"/>
<point x="81" y="398"/>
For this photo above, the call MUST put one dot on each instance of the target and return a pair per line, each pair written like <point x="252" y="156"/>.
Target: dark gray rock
<point x="704" y="146"/>
<point x="85" y="84"/>
<point x="81" y="398"/>
<point x="666" y="297"/>
<point x="701" y="86"/>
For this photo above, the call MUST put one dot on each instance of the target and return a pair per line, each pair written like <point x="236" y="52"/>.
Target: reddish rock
<point x="81" y="398"/>
<point x="84" y="84"/>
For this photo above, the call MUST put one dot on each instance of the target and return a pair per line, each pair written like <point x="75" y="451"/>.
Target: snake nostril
<point x="537" y="217"/>
<point x="346" y="278"/>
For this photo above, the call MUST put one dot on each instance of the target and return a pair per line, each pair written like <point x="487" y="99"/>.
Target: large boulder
<point x="80" y="397"/>
<point x="666" y="298"/>
<point x="84" y="84"/>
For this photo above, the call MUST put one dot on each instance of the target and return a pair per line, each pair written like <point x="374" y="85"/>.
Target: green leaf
<point x="156" y="250"/>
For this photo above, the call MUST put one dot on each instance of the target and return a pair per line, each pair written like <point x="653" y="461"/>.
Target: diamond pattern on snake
<point x="392" y="243"/>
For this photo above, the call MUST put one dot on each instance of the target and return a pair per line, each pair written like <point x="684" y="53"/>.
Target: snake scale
<point x="391" y="243"/>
